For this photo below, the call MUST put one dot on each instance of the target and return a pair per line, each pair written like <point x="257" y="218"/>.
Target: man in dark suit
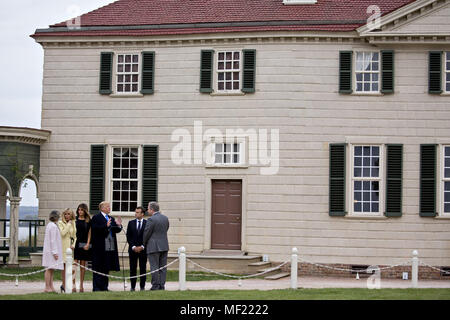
<point x="157" y="244"/>
<point x="136" y="248"/>
<point x="105" y="256"/>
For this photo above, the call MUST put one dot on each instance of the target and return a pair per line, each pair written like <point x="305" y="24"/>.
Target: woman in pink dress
<point x="52" y="257"/>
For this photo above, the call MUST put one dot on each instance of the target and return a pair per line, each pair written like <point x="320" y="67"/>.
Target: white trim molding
<point x="385" y="33"/>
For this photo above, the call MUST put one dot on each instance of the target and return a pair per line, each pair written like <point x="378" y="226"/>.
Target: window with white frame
<point x="228" y="153"/>
<point x="366" y="179"/>
<point x="367" y="72"/>
<point x="446" y="179"/>
<point x="127" y="73"/>
<point x="228" y="71"/>
<point x="124" y="179"/>
<point x="447" y="71"/>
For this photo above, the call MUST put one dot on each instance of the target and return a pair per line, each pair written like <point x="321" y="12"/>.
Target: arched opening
<point x="28" y="214"/>
<point x="4" y="216"/>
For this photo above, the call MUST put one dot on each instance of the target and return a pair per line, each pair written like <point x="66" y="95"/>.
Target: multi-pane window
<point x="367" y="72"/>
<point x="447" y="71"/>
<point x="447" y="179"/>
<point x="127" y="73"/>
<point x="228" y="71"/>
<point x="366" y="179"/>
<point x="227" y="153"/>
<point x="125" y="164"/>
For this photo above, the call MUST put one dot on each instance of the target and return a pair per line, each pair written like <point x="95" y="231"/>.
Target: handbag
<point x="82" y="244"/>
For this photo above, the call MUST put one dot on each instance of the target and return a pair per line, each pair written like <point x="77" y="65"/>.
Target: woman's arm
<point x="64" y="228"/>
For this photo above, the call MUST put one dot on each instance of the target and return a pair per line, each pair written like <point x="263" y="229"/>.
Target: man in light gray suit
<point x="157" y="244"/>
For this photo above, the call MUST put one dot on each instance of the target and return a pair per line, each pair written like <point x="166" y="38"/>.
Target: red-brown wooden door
<point x="226" y="220"/>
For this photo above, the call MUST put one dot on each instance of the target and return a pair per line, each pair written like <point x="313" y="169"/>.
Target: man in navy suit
<point x="105" y="256"/>
<point x="136" y="248"/>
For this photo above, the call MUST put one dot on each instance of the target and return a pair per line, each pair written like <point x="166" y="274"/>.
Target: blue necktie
<point x="108" y="218"/>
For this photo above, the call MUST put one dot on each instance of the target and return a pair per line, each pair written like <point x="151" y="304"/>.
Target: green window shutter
<point x="435" y="72"/>
<point x="206" y="71"/>
<point x="337" y="179"/>
<point x="97" y="178"/>
<point x="106" y="66"/>
<point x="345" y="71"/>
<point x="148" y="72"/>
<point x="394" y="168"/>
<point x="249" y="72"/>
<point x="150" y="174"/>
<point x="387" y="71"/>
<point x="427" y="180"/>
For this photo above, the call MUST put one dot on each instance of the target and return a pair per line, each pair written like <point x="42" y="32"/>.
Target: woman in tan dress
<point x="68" y="231"/>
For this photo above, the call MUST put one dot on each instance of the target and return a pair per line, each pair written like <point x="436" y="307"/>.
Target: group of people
<point x="94" y="239"/>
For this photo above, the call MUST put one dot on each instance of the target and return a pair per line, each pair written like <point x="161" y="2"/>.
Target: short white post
<point x="415" y="269"/>
<point x="77" y="277"/>
<point x="182" y="268"/>
<point x="69" y="261"/>
<point x="294" y="268"/>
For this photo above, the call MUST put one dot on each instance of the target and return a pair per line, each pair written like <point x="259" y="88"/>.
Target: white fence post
<point x="415" y="269"/>
<point x="77" y="277"/>
<point x="182" y="268"/>
<point x="69" y="261"/>
<point x="294" y="268"/>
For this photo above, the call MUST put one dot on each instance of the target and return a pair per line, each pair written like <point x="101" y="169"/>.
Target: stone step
<point x="270" y="273"/>
<point x="26" y="262"/>
<point x="260" y="264"/>
<point x="278" y="276"/>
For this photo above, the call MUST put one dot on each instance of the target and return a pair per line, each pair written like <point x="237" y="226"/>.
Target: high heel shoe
<point x="62" y="289"/>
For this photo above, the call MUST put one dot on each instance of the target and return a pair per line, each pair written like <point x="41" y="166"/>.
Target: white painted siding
<point x="297" y="93"/>
<point x="435" y="22"/>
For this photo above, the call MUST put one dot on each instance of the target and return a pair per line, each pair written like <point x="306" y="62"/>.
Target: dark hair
<point x="142" y="209"/>
<point x="54" y="216"/>
<point x="84" y="207"/>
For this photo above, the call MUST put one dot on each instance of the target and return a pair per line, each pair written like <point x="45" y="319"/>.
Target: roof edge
<point x="198" y="26"/>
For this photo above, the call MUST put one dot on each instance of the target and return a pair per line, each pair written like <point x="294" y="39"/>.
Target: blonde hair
<point x="72" y="214"/>
<point x="102" y="204"/>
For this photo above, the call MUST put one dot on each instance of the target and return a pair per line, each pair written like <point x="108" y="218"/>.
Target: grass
<point x="172" y="275"/>
<point x="287" y="294"/>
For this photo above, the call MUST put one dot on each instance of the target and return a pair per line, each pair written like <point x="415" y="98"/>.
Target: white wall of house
<point x="297" y="93"/>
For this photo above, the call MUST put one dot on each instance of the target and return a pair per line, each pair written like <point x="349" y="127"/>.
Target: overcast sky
<point x="21" y="60"/>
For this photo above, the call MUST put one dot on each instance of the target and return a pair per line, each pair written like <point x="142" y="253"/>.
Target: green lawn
<point x="287" y="294"/>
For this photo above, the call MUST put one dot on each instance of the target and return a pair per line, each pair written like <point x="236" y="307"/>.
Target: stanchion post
<point x="77" y="276"/>
<point x="182" y="268"/>
<point x="294" y="268"/>
<point x="415" y="269"/>
<point x="69" y="261"/>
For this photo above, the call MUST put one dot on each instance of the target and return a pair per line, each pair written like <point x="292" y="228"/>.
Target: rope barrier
<point x="234" y="276"/>
<point x="408" y="262"/>
<point x="124" y="278"/>
<point x="29" y="273"/>
<point x="239" y="277"/>
<point x="438" y="269"/>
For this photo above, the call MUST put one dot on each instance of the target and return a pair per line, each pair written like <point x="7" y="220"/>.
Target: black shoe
<point x="132" y="289"/>
<point x="142" y="289"/>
